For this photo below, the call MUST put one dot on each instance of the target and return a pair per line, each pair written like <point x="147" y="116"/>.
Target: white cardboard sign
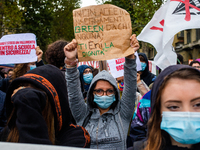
<point x="117" y="66"/>
<point x="18" y="48"/>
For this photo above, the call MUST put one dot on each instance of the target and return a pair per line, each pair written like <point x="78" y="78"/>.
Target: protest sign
<point x="103" y="32"/>
<point x="18" y="48"/>
<point x="117" y="66"/>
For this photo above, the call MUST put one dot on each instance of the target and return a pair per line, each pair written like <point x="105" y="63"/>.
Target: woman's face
<point x="181" y="95"/>
<point x="86" y="71"/>
<point x="105" y="87"/>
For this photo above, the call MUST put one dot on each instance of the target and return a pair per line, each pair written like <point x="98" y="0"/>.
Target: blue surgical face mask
<point x="183" y="127"/>
<point x="143" y="65"/>
<point x="32" y="67"/>
<point x="104" y="101"/>
<point x="88" y="78"/>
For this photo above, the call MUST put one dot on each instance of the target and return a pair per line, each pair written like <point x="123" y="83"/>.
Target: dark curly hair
<point x="54" y="54"/>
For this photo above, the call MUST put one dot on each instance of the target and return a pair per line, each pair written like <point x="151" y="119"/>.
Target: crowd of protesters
<point x="61" y="103"/>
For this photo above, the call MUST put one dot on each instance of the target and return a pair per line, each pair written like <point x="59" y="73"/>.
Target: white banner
<point x="18" y="48"/>
<point x="94" y="64"/>
<point x="117" y="66"/>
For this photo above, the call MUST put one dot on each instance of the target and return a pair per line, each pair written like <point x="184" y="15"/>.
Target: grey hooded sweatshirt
<point x="109" y="130"/>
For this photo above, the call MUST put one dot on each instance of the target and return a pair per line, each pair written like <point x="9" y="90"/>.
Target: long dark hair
<point x="155" y="138"/>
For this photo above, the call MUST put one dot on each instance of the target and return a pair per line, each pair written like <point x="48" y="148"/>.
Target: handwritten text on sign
<point x="18" y="48"/>
<point x="102" y="32"/>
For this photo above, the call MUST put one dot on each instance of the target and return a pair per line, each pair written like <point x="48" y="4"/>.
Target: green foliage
<point x="141" y="11"/>
<point x="37" y="19"/>
<point x="10" y="16"/>
<point x="63" y="20"/>
<point x="49" y="20"/>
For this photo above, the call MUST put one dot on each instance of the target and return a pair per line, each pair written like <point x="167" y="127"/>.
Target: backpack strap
<point x="87" y="119"/>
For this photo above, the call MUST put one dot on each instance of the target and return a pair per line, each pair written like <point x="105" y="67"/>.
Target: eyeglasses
<point x="100" y="92"/>
<point x="196" y="66"/>
<point x="87" y="71"/>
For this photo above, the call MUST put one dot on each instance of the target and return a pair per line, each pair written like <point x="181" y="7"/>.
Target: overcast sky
<point x="88" y="3"/>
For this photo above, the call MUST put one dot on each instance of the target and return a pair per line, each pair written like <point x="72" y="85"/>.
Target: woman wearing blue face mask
<point x="145" y="74"/>
<point x="175" y="110"/>
<point x="105" y="116"/>
<point x="86" y="77"/>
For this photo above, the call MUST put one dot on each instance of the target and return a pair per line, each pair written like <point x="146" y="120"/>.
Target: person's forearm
<point x="76" y="100"/>
<point x="129" y="91"/>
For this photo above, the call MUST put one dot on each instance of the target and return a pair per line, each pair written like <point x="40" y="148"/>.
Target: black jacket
<point x="168" y="146"/>
<point x="29" y="104"/>
<point x="2" y="110"/>
<point x="146" y="75"/>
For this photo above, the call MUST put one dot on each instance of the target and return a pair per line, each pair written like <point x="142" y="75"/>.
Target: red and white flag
<point x="173" y="17"/>
<point x="181" y="15"/>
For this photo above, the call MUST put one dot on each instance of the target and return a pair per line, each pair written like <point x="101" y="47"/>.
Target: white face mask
<point x="183" y="127"/>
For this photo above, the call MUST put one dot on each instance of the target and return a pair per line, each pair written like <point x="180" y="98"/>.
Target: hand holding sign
<point x="135" y="45"/>
<point x="39" y="53"/>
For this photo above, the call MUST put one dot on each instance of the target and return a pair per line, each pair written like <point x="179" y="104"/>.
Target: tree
<point x="10" y="16"/>
<point x="37" y="19"/>
<point x="141" y="11"/>
<point x="49" y="20"/>
<point x="63" y="19"/>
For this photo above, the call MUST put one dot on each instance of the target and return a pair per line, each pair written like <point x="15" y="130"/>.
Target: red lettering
<point x="2" y="52"/>
<point x="33" y="47"/>
<point x="120" y="67"/>
<point x="2" y="43"/>
<point x="119" y="61"/>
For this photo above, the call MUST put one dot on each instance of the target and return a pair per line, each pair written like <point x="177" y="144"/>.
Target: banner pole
<point x="103" y="65"/>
